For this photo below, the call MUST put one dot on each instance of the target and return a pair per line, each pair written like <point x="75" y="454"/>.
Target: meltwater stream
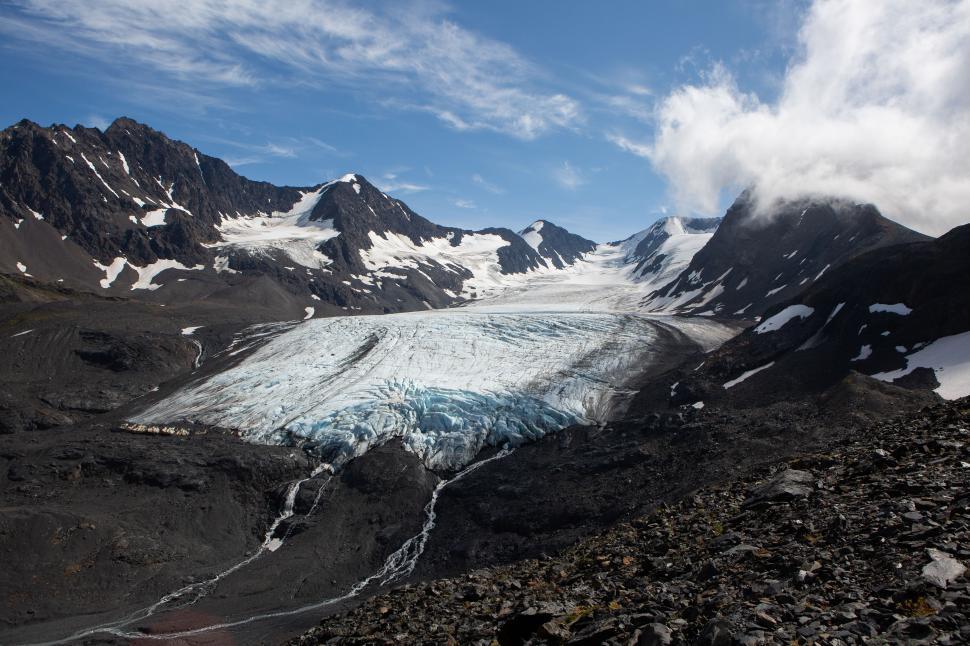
<point x="397" y="565"/>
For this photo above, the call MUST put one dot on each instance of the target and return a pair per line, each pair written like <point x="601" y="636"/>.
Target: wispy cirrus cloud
<point x="391" y="182"/>
<point x="286" y="147"/>
<point x="415" y="53"/>
<point x="487" y="185"/>
<point x="640" y="149"/>
<point x="568" y="176"/>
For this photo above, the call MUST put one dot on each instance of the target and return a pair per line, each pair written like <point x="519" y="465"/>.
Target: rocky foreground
<point x="864" y="543"/>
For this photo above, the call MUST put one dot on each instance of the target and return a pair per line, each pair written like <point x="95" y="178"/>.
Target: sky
<point x="601" y="117"/>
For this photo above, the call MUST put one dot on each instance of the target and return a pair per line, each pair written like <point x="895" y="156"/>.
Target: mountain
<point x="202" y="441"/>
<point x="130" y="212"/>
<point x="554" y="243"/>
<point x="755" y="260"/>
<point x="899" y="314"/>
<point x="660" y="253"/>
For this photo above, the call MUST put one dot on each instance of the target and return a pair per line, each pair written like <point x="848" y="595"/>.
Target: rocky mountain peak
<point x="757" y="258"/>
<point x="554" y="243"/>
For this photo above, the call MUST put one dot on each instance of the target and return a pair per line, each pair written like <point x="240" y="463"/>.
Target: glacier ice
<point x="540" y="352"/>
<point x="447" y="382"/>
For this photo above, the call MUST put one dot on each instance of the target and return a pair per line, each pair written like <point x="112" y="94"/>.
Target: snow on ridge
<point x="817" y="338"/>
<point x="780" y="319"/>
<point x="948" y="357"/>
<point x="477" y="253"/>
<point x="894" y="308"/>
<point x="95" y="171"/>
<point x="290" y="232"/>
<point x="532" y="236"/>
<point x="189" y="331"/>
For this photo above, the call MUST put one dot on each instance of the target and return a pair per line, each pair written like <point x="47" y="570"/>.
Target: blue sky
<point x="475" y="113"/>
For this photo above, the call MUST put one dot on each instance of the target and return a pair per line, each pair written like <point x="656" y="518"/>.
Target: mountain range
<point x="260" y="404"/>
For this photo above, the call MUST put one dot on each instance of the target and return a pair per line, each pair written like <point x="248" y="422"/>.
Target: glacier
<point x="541" y="352"/>
<point x="447" y="382"/>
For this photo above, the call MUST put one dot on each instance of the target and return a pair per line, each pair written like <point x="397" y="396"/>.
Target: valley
<point x="259" y="406"/>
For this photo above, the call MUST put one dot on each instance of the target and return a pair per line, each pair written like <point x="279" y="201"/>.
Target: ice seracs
<point x="447" y="382"/>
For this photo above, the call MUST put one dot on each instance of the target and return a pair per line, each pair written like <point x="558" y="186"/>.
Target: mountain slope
<point x="559" y="246"/>
<point x="129" y="211"/>
<point x="831" y="545"/>
<point x="900" y="314"/>
<point x="755" y="261"/>
<point x="661" y="252"/>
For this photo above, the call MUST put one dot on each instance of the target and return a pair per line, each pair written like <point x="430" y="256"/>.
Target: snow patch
<point x="111" y="271"/>
<point x="895" y="308"/>
<point x="148" y="273"/>
<point x="779" y="320"/>
<point x="221" y="264"/>
<point x="747" y="374"/>
<point x="155" y="218"/>
<point x="189" y="331"/>
<point x="95" y="170"/>
<point x="949" y="359"/>
<point x="864" y="353"/>
<point x="309" y="313"/>
<point x="817" y="338"/>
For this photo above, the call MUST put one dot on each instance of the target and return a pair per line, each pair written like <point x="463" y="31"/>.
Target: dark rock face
<point x="557" y="245"/>
<point x="846" y="329"/>
<point x="847" y="561"/>
<point x="88" y="185"/>
<point x="74" y="201"/>
<point x="755" y="261"/>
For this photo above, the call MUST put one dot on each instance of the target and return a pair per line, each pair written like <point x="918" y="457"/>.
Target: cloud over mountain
<point x="874" y="107"/>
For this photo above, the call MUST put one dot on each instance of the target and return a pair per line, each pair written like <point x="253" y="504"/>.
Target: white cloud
<point x="414" y="54"/>
<point x="464" y="204"/>
<point x="568" y="176"/>
<point x="633" y="147"/>
<point x="97" y="121"/>
<point x="875" y="106"/>
<point x="395" y="186"/>
<point x="487" y="185"/>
